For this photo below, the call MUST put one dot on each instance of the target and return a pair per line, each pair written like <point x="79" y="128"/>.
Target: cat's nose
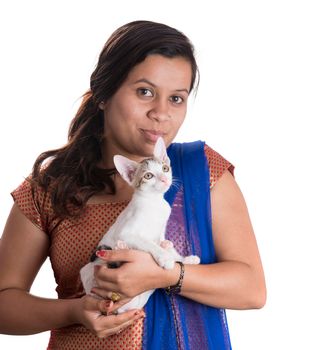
<point x="164" y="179"/>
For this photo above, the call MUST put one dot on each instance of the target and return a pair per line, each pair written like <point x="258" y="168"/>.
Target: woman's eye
<point x="148" y="176"/>
<point x="145" y="92"/>
<point x="177" y="99"/>
<point x="165" y="168"/>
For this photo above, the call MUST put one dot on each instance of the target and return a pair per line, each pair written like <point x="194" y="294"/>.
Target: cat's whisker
<point x="176" y="183"/>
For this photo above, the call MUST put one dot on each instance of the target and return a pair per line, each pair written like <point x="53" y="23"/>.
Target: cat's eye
<point x="165" y="168"/>
<point x="148" y="176"/>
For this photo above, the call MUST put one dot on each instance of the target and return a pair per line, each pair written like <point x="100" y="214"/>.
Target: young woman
<point x="138" y="92"/>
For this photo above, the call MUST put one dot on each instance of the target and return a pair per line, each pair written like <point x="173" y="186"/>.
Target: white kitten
<point x="142" y="224"/>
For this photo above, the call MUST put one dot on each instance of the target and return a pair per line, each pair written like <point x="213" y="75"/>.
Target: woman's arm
<point x="23" y="249"/>
<point x="236" y="281"/>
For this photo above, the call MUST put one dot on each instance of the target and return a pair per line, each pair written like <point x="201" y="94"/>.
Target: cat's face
<point x="153" y="176"/>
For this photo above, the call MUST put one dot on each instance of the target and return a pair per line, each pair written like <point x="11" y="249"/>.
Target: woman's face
<point x="151" y="102"/>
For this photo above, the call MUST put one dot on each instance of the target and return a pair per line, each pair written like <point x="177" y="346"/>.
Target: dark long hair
<point x="71" y="173"/>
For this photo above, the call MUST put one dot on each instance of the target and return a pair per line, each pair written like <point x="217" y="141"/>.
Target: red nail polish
<point x="101" y="253"/>
<point x="107" y="304"/>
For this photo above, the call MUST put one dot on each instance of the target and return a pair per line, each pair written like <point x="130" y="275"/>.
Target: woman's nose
<point x="159" y="111"/>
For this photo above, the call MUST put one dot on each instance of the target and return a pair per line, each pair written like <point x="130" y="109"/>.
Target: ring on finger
<point x="115" y="296"/>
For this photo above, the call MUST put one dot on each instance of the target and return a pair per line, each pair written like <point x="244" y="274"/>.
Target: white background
<point x="254" y="106"/>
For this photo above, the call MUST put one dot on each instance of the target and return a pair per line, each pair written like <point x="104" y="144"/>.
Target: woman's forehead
<point x="174" y="73"/>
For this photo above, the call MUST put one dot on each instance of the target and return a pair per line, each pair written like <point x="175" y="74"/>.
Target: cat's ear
<point x="160" y="151"/>
<point x="126" y="168"/>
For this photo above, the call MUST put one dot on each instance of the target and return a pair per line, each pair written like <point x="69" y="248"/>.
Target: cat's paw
<point x="121" y="245"/>
<point x="191" y="260"/>
<point x="166" y="261"/>
<point x="166" y="244"/>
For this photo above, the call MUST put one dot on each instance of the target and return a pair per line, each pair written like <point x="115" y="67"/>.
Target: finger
<point x="100" y="292"/>
<point x="104" y="307"/>
<point x="108" y="278"/>
<point x="124" y="326"/>
<point x="105" y="278"/>
<point x="96" y="306"/>
<point x="116" y="306"/>
<point x="108" y="307"/>
<point x="121" y="255"/>
<point x="104" y="294"/>
<point x="117" y="323"/>
<point x="101" y="306"/>
<point x="123" y="321"/>
<point x="119" y="320"/>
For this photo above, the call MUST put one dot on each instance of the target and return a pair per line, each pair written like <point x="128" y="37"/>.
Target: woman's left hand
<point x="138" y="273"/>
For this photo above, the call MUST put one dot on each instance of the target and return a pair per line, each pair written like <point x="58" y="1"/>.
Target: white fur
<point x="142" y="224"/>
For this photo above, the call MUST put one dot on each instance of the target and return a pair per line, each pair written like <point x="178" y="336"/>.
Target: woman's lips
<point x="152" y="135"/>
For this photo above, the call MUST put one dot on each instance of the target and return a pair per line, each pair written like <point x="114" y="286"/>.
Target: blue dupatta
<point x="174" y="322"/>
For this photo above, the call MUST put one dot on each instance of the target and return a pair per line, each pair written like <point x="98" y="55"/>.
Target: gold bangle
<point x="176" y="289"/>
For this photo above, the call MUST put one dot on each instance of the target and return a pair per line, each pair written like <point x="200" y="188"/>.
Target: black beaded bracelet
<point x="176" y="289"/>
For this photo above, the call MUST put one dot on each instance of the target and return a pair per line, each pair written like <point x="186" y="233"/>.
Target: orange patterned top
<point x="71" y="242"/>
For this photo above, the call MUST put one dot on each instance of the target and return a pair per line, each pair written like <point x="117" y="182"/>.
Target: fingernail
<point x="101" y="253"/>
<point x="108" y="303"/>
<point x="138" y="312"/>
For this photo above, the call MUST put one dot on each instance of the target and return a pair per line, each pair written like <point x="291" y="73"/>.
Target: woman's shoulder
<point x="217" y="164"/>
<point x="33" y="201"/>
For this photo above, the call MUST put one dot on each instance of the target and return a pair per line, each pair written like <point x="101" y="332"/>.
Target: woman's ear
<point x="101" y="105"/>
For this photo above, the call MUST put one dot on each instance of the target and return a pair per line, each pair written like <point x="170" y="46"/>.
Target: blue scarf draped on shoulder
<point x="174" y="322"/>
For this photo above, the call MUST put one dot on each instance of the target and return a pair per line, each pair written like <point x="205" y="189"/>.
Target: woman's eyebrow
<point x="143" y="80"/>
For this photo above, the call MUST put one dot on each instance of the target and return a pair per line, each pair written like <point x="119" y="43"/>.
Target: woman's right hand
<point x="92" y="313"/>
